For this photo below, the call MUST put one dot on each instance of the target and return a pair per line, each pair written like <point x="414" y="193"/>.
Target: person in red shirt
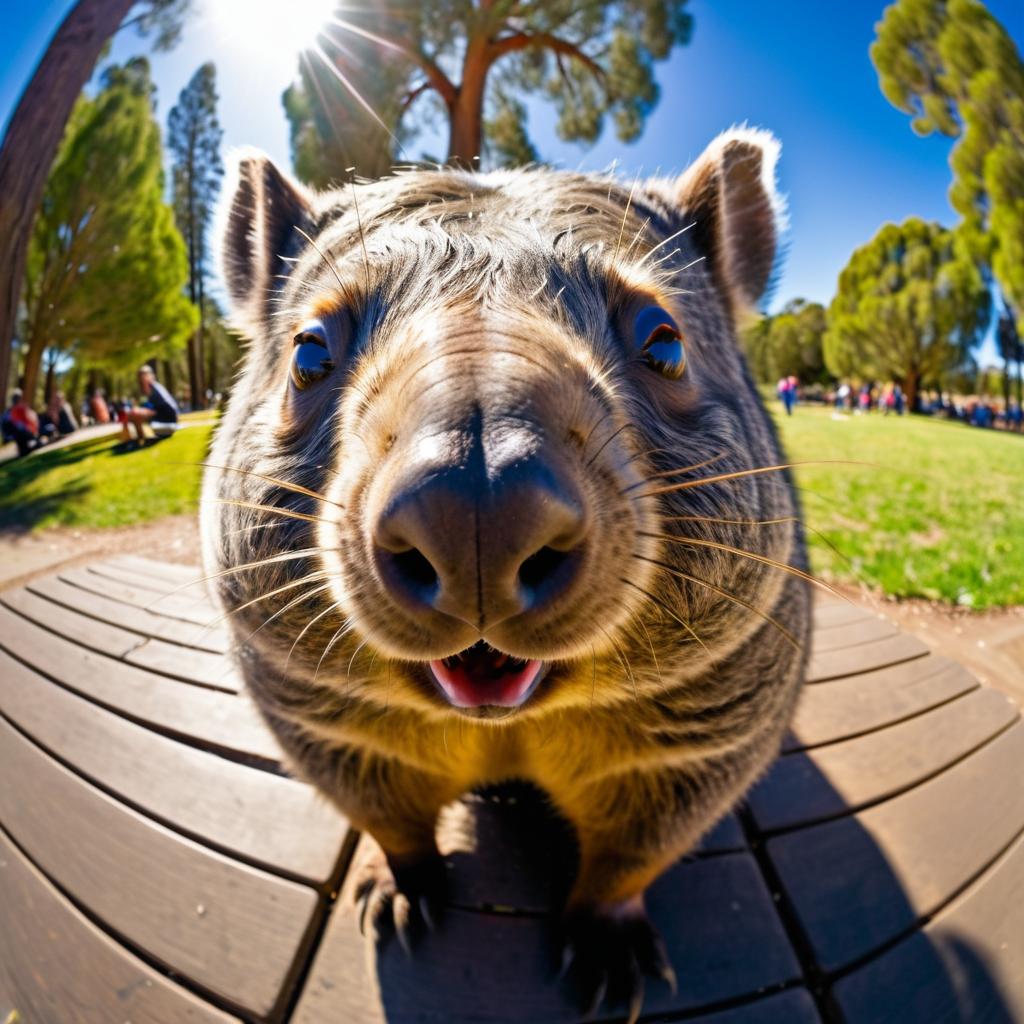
<point x="23" y="423"/>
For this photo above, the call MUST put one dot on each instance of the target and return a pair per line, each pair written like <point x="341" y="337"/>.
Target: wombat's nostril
<point x="544" y="570"/>
<point x="415" y="567"/>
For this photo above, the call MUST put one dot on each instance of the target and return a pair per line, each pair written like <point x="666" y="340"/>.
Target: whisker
<point x="718" y="478"/>
<point x="287" y="556"/>
<point x="623" y="661"/>
<point x="305" y="629"/>
<point x="625" y="216"/>
<point x="608" y="440"/>
<point x="287" y="485"/>
<point x="343" y="630"/>
<point x="286" y="512"/>
<point x="665" y="608"/>
<point x="673" y="472"/>
<point x="330" y="266"/>
<point x="291" y="604"/>
<point x="319" y="574"/>
<point x="722" y="593"/>
<point x="362" y="237"/>
<point x="665" y="241"/>
<point x="764" y="559"/>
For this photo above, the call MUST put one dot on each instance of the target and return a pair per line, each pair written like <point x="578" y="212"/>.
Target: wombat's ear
<point x="261" y="215"/>
<point x="730" y="194"/>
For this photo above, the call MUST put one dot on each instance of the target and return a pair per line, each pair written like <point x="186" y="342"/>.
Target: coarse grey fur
<point x="676" y="662"/>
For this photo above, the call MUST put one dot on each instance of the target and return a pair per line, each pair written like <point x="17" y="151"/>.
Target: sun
<point x="267" y="31"/>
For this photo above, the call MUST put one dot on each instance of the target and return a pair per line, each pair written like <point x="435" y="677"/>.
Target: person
<point x="787" y="392"/>
<point x="159" y="407"/>
<point x="100" y="407"/>
<point x="61" y="414"/>
<point x="22" y="424"/>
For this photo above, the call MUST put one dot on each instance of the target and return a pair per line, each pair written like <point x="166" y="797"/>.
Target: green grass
<point x="939" y="514"/>
<point x="92" y="485"/>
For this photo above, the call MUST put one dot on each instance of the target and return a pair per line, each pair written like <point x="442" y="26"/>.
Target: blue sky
<point x="801" y="69"/>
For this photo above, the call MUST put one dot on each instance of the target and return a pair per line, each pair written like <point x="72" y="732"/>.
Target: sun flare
<point x="268" y="30"/>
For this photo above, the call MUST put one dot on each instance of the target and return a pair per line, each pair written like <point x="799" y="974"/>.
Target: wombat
<point x="494" y="457"/>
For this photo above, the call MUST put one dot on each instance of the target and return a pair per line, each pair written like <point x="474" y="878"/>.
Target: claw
<point x="427" y="913"/>
<point x="597" y="998"/>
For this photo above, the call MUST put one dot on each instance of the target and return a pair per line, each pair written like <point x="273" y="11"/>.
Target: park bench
<point x="158" y="865"/>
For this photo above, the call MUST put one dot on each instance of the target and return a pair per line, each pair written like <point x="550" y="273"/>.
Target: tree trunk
<point x="51" y="373"/>
<point x="33" y="135"/>
<point x="30" y="372"/>
<point x="467" y="113"/>
<point x="911" y="387"/>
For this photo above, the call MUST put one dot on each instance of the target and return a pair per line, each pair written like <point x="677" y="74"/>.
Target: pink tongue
<point x="473" y="689"/>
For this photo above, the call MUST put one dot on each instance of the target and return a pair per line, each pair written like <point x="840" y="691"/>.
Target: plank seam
<point x="162" y="614"/>
<point x="924" y="920"/>
<point x="31" y="588"/>
<point x="896" y="721"/>
<point x="152" y="961"/>
<point x="168" y="823"/>
<point x="820" y="680"/>
<point x="123" y="658"/>
<point x="239" y="757"/>
<point x="298" y="975"/>
<point x="771" y="833"/>
<point x="812" y="976"/>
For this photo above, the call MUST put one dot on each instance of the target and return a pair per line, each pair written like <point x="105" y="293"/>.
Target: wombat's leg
<point x="630" y="829"/>
<point x="404" y="890"/>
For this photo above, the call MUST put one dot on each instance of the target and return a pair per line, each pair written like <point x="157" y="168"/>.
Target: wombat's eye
<point x="311" y="361"/>
<point x="661" y="342"/>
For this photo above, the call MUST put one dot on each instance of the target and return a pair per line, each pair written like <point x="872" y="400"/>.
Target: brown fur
<point x="511" y="293"/>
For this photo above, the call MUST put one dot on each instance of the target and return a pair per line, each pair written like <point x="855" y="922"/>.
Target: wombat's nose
<point x="481" y="546"/>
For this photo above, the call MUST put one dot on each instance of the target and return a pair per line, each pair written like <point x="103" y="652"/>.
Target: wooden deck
<point x="157" y="865"/>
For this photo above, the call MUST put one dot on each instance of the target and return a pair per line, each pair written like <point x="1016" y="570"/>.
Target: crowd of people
<point x="30" y="429"/>
<point x="890" y="399"/>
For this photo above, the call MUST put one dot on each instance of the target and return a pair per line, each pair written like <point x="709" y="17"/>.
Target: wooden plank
<point x="499" y="967"/>
<point x="171" y="573"/>
<point x="97" y="636"/>
<point x="857" y="704"/>
<point x="217" y="671"/>
<point x="852" y="634"/>
<point x="864" y="657"/>
<point x="220" y="721"/>
<point x="843" y="777"/>
<point x="965" y="965"/>
<point x="189" y="606"/>
<point x="828" y="613"/>
<point x="273" y="821"/>
<point x="111" y="571"/>
<point x="232" y="929"/>
<point x="794" y="1006"/>
<point x="136" y="619"/>
<point x="56" y="966"/>
<point x="860" y="881"/>
<point x="726" y="836"/>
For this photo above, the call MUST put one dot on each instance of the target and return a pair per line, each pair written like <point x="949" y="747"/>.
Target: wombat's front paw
<point x="609" y="950"/>
<point x="402" y="899"/>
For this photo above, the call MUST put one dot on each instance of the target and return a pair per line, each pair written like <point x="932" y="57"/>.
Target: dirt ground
<point x="990" y="643"/>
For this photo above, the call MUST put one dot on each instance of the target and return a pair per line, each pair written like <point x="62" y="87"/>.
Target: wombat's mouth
<point x="481" y="676"/>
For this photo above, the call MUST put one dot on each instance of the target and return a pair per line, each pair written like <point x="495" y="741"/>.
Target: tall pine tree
<point x="106" y="269"/>
<point x="194" y="135"/>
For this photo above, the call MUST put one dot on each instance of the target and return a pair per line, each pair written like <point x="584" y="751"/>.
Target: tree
<point x="910" y="305"/>
<point x="951" y="65"/>
<point x="106" y="267"/>
<point x="194" y="135"/>
<point x="788" y="343"/>
<point x="37" y="124"/>
<point x="1011" y="350"/>
<point x="594" y="60"/>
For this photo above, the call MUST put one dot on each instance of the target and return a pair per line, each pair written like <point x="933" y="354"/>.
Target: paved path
<point x="157" y="864"/>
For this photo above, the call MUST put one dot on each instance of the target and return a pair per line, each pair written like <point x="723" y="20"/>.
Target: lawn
<point x="938" y="514"/>
<point x="91" y="484"/>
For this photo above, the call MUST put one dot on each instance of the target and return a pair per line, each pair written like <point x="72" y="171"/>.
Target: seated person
<point x="61" y="414"/>
<point x="159" y="407"/>
<point x="23" y="423"/>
